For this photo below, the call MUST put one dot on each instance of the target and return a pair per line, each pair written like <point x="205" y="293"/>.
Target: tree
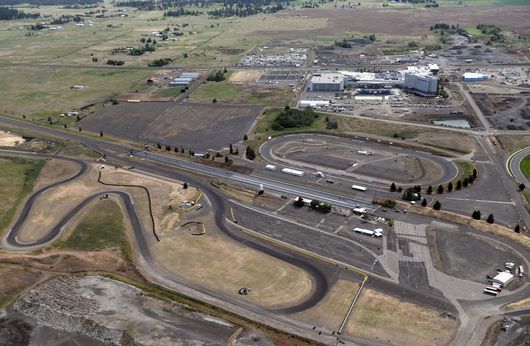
<point x="449" y="187"/>
<point x="231" y="149"/>
<point x="100" y="133"/>
<point x="475" y="173"/>
<point x="159" y="146"/>
<point x="185" y="186"/>
<point x="440" y="189"/>
<point x="65" y="126"/>
<point x="372" y="37"/>
<point x="437" y="205"/>
<point x="214" y="101"/>
<point x="314" y="203"/>
<point x="490" y="219"/>
<point x="80" y="129"/>
<point x="176" y="149"/>
<point x="250" y="154"/>
<point x="465" y="183"/>
<point x="429" y="190"/>
<point x="245" y="137"/>
<point x="458" y="185"/>
<point x="517" y="229"/>
<point x="393" y="187"/>
<point x="476" y="215"/>
<point x="521" y="187"/>
<point x="424" y="203"/>
<point x="299" y="202"/>
<point x="471" y="179"/>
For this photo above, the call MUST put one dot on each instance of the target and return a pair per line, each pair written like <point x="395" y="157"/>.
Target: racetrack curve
<point x="320" y="280"/>
<point x="514" y="166"/>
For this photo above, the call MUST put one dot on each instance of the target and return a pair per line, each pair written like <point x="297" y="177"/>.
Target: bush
<point x="476" y="215"/>
<point x="218" y="76"/>
<point x="437" y="205"/>
<point x="389" y="203"/>
<point x="490" y="219"/>
<point x="292" y="118"/>
<point x="250" y="154"/>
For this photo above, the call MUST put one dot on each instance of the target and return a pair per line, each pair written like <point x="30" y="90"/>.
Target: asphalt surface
<point x="450" y="171"/>
<point x="321" y="282"/>
<point x="271" y="184"/>
<point x="514" y="166"/>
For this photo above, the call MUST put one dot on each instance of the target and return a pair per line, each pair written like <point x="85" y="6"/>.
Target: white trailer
<point x="294" y="172"/>
<point x="490" y="291"/>
<point x="368" y="232"/>
<point x="521" y="271"/>
<point x="358" y="187"/>
<point x="364" y="152"/>
<point x="270" y="167"/>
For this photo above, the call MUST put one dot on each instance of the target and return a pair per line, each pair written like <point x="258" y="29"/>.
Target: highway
<point x="271" y="184"/>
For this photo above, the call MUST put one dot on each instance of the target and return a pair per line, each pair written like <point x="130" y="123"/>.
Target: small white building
<point x="503" y="278"/>
<point x="313" y="103"/>
<point x="181" y="82"/>
<point x="471" y="77"/>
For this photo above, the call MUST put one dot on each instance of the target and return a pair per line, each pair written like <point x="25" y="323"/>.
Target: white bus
<point x="490" y="291"/>
<point x="358" y="188"/>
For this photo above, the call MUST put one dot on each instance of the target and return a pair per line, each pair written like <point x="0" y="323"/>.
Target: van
<point x="329" y="181"/>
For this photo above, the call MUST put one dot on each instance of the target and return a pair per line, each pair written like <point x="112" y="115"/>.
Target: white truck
<point x="270" y="167"/>
<point x="364" y="152"/>
<point x="294" y="172"/>
<point x="358" y="188"/>
<point x="376" y="233"/>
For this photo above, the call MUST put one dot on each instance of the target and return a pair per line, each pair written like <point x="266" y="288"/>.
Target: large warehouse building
<point x="422" y="84"/>
<point x="470" y="77"/>
<point x="327" y="82"/>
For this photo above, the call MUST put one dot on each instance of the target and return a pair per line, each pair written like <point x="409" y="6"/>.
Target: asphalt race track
<point x="320" y="280"/>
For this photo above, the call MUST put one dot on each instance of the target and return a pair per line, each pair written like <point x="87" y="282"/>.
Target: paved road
<point x="514" y="166"/>
<point x="450" y="171"/>
<point x="271" y="184"/>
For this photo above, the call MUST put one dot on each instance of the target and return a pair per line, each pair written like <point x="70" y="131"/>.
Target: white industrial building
<point x="192" y="75"/>
<point x="313" y="103"/>
<point x="503" y="278"/>
<point x="181" y="81"/>
<point x="471" y="77"/>
<point x="327" y="82"/>
<point x="422" y="84"/>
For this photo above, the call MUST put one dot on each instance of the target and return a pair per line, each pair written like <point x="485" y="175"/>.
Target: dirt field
<point x="9" y="139"/>
<point x="245" y="76"/>
<point x="406" y="21"/>
<point x="192" y="126"/>
<point x="387" y="319"/>
<point x="14" y="279"/>
<point x="55" y="170"/>
<point x="508" y="112"/>
<point x="214" y="261"/>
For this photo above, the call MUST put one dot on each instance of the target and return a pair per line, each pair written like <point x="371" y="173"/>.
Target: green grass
<point x="214" y="90"/>
<point x="17" y="178"/>
<point x="5" y="300"/>
<point x="525" y="166"/>
<point x="102" y="228"/>
<point x="169" y="92"/>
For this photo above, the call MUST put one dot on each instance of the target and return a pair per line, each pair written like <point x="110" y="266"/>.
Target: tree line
<point x="7" y="13"/>
<point x="51" y="2"/>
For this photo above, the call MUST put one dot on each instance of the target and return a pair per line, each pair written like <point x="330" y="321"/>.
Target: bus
<point x="490" y="291"/>
<point x="358" y="188"/>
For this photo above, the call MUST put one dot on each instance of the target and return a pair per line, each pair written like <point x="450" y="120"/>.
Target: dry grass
<point x="55" y="170"/>
<point x="245" y="76"/>
<point x="387" y="319"/>
<point x="524" y="303"/>
<point x="331" y="310"/>
<point x="218" y="263"/>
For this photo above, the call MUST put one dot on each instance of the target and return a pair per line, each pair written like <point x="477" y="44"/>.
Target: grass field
<point x="102" y="227"/>
<point x="525" y="166"/>
<point x="17" y="177"/>
<point x="376" y="317"/>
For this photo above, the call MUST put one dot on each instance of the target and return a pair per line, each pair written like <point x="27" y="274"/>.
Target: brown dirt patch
<point x="55" y="170"/>
<point x="245" y="76"/>
<point x="406" y="21"/>
<point x="108" y="260"/>
<point x="14" y="278"/>
<point x="9" y="139"/>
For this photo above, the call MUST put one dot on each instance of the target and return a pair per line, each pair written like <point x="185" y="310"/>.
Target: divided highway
<point x="276" y="185"/>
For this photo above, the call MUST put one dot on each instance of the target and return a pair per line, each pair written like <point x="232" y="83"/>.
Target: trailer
<point x="521" y="271"/>
<point x="377" y="233"/>
<point x="270" y="167"/>
<point x="364" y="152"/>
<point x="294" y="172"/>
<point x="491" y="292"/>
<point x="495" y="288"/>
<point x="358" y="188"/>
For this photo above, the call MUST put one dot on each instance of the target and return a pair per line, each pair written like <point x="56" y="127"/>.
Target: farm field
<point x="188" y="125"/>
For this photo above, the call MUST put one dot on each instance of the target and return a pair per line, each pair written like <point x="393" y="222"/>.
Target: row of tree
<point x="51" y="2"/>
<point x="7" y="13"/>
